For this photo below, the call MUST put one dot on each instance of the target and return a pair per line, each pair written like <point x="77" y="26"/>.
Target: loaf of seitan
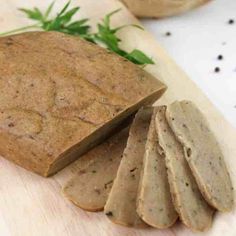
<point x="61" y="95"/>
<point x="203" y="154"/>
<point x="154" y="203"/>
<point x="188" y="201"/>
<point x="121" y="204"/>
<point x="90" y="187"/>
<point x="161" y="8"/>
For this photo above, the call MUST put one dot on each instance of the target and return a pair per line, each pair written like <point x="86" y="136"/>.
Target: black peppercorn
<point x="217" y="69"/>
<point x="220" y="57"/>
<point x="109" y="213"/>
<point x="168" y="33"/>
<point x="231" y="21"/>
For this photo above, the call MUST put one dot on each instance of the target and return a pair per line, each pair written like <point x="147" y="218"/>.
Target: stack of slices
<point x="167" y="166"/>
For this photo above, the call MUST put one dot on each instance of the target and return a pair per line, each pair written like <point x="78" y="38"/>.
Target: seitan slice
<point x="154" y="203"/>
<point x="188" y="201"/>
<point x="61" y="95"/>
<point x="90" y="187"/>
<point x="121" y="204"/>
<point x="203" y="154"/>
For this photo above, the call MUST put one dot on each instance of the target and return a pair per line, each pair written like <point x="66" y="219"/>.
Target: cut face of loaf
<point x="120" y="207"/>
<point x="154" y="203"/>
<point x="60" y="96"/>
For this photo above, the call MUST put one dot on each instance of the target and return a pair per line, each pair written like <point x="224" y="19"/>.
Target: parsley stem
<point x="20" y="30"/>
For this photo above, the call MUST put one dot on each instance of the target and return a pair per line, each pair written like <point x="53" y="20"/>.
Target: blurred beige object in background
<point x="161" y="8"/>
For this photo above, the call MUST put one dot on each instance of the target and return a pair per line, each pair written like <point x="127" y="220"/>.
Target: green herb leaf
<point x="34" y="14"/>
<point x="48" y="11"/>
<point x="107" y="36"/>
<point x="66" y="18"/>
<point x="107" y="18"/>
<point x="78" y="27"/>
<point x="64" y="8"/>
<point x="138" y="57"/>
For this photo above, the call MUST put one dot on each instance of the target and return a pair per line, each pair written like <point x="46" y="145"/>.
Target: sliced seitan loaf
<point x="188" y="201"/>
<point x="154" y="203"/>
<point x="121" y="204"/>
<point x="90" y="187"/>
<point x="203" y="153"/>
<point x="61" y="95"/>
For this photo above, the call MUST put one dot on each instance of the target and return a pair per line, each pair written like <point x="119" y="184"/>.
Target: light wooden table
<point x="34" y="206"/>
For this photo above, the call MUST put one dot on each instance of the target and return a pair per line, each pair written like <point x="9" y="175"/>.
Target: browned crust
<point x="78" y="205"/>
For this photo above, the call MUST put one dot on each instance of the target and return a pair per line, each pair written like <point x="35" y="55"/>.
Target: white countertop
<point x="197" y="38"/>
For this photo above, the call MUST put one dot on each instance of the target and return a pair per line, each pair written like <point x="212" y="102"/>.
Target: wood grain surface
<point x="33" y="205"/>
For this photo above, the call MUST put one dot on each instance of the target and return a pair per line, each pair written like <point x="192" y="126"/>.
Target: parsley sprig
<point x="105" y="35"/>
<point x="108" y="37"/>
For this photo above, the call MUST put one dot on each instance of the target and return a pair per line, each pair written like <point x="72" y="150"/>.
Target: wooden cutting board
<point x="32" y="205"/>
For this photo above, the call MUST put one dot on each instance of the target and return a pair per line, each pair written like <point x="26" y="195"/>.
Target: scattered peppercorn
<point x="168" y="33"/>
<point x="231" y="21"/>
<point x="109" y="213"/>
<point x="11" y="125"/>
<point x="107" y="184"/>
<point x="220" y="57"/>
<point x="135" y="168"/>
<point x="217" y="69"/>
